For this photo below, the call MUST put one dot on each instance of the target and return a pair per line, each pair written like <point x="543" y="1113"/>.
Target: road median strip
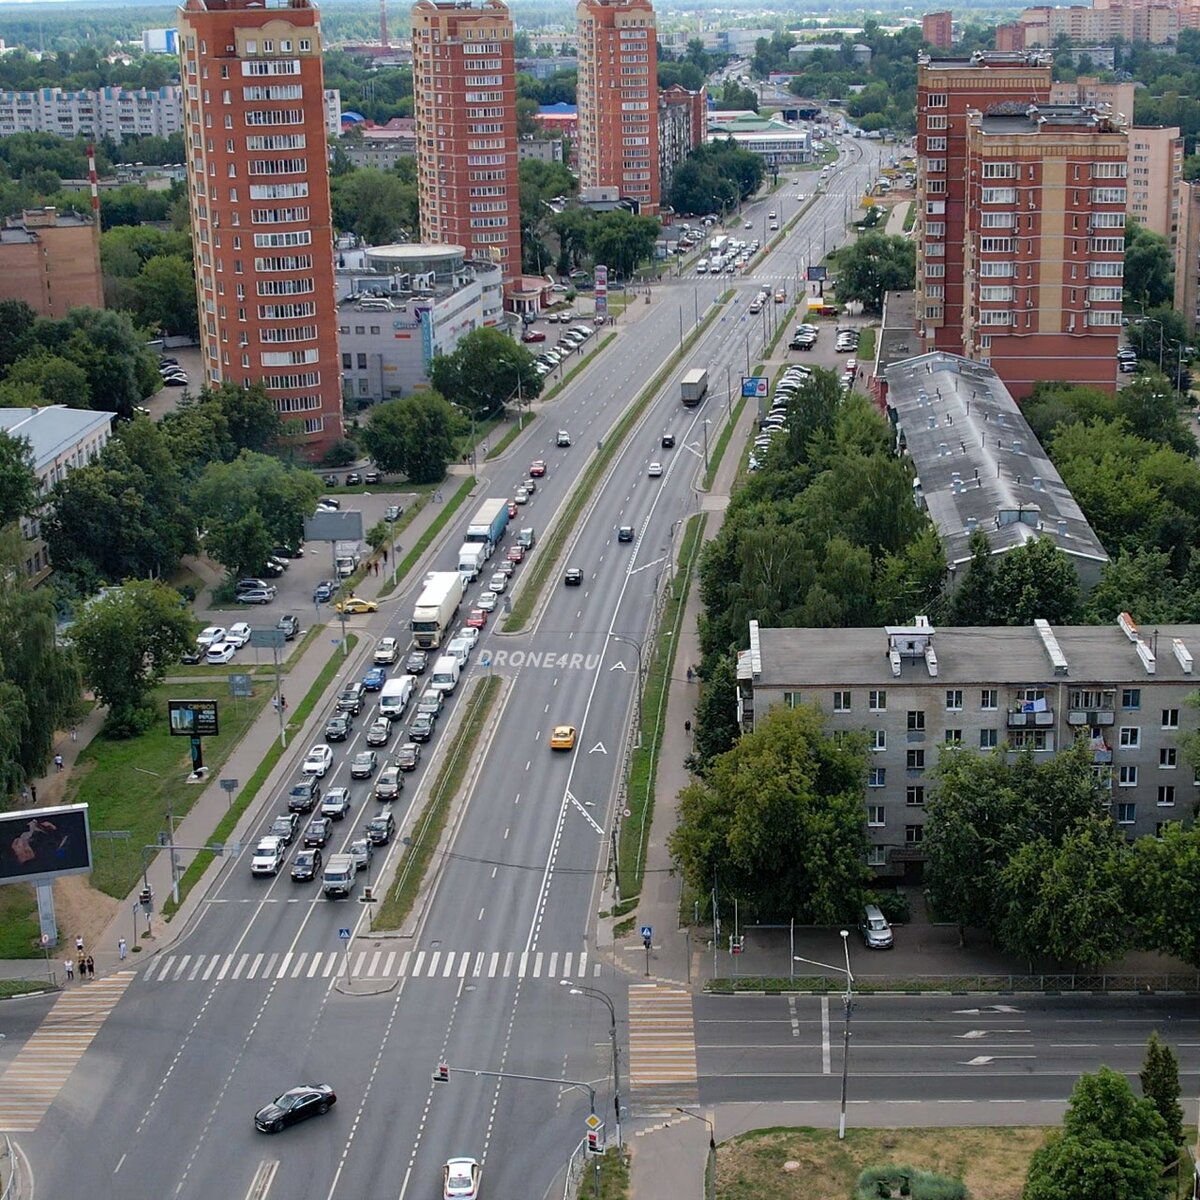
<point x="426" y="539"/>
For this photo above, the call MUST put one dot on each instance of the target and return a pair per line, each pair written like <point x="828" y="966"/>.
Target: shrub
<point x="341" y="454"/>
<point x="893" y="904"/>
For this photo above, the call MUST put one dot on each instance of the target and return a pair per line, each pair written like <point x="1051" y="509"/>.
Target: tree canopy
<point x="486" y="371"/>
<point x="874" y="264"/>
<point x="413" y="435"/>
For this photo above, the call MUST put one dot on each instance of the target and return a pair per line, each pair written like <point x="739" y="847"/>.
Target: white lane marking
<point x="826" y="1068"/>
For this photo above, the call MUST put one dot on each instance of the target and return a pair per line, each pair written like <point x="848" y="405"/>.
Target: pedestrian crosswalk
<point x="37" y="1074"/>
<point x="662" y="1047"/>
<point x="371" y="964"/>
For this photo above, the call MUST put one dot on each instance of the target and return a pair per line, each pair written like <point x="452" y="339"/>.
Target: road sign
<point x="240" y="686"/>
<point x="229" y="785"/>
<point x="647" y="931"/>
<point x="344" y="934"/>
<point x="267" y="639"/>
<point x="594" y="1122"/>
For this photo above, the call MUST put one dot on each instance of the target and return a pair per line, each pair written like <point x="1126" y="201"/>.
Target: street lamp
<point x="580" y="989"/>
<point x="618" y="637"/>
<point x="712" y="1130"/>
<point x="848" y="1005"/>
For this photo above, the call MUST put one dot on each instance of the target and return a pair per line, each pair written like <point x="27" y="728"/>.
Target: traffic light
<point x="146" y="898"/>
<point x="442" y="1074"/>
<point x="595" y="1140"/>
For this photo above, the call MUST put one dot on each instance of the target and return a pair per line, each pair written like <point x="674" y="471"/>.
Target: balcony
<point x="1030" y="720"/>
<point x="1091" y="716"/>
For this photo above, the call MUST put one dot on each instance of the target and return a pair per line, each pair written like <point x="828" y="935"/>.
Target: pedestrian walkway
<point x="662" y="1048"/>
<point x="43" y="1065"/>
<point x="550" y="965"/>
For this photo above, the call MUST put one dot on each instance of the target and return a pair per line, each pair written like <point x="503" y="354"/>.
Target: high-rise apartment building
<point x="1155" y="173"/>
<point x="258" y="188"/>
<point x="938" y="30"/>
<point x="465" y="104"/>
<point x="617" y="95"/>
<point x="947" y="90"/>
<point x="1187" y="256"/>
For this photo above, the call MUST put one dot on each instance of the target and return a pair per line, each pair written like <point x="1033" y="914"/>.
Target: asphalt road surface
<point x="246" y="1004"/>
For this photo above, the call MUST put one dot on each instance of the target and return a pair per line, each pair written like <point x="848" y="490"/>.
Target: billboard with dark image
<point x="42" y="844"/>
<point x="192" y="718"/>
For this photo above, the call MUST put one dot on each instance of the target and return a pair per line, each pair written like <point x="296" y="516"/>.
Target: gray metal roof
<point x="53" y="430"/>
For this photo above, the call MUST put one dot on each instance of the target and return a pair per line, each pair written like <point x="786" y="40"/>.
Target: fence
<point x="574" y="1170"/>
<point x="10" y="1171"/>
<point x="1147" y="984"/>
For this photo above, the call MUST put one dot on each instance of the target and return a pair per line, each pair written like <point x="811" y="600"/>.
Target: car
<point x="851" y="365"/>
<point x="1127" y="366"/>
<point x="573" y="577"/>
<point x="356" y="604"/>
<point x="421" y="730"/>
<point x="211" y="636"/>
<point x="488" y="601"/>
<point x="516" y="554"/>
<point x="268" y="857"/>
<point x="388" y="785"/>
<point x="362" y="852"/>
<point x="408" y="756"/>
<point x="756" y="305"/>
<point x="191" y="657"/>
<point x="416" y="663"/>
<point x="747" y="224"/>
<point x="521" y="496"/>
<point x="386" y="652"/>
<point x="460" y="1179"/>
<point x="512" y="509"/>
<point x="366" y="762"/>
<point x="318" y="832"/>
<point x="393" y="512"/>
<point x="351" y="699"/>
<point x="272" y="569"/>
<point x="336" y="803"/>
<point x="219" y="653"/>
<point x="379" y="734"/>
<point x="238" y="634"/>
<point x="257" y="596"/>
<point x="329" y="502"/>
<point x="380" y="829"/>
<point x="563" y="439"/>
<point x="371" y="477"/>
<point x="319" y="760"/>
<point x="537" y="468"/>
<point x="353" y="479"/>
<point x="330" y="480"/>
<point x="284" y="827"/>
<point x="533" y="335"/>
<point x="325" y="590"/>
<point x="780" y="296"/>
<point x="1127" y="352"/>
<point x="374" y="679"/>
<point x="175" y="380"/>
<point x="625" y="533"/>
<point x="468" y="634"/>
<point x="562" y="737"/>
<point x="667" y="441"/>
<point x="507" y="568"/>
<point x="295" y="1105"/>
<point x="289" y="626"/>
<point x="431" y="702"/>
<point x="498" y="583"/>
<point x="305" y="794"/>
<point x="654" y="470"/>
<point x="306" y="866"/>
<point x="477" y="618"/>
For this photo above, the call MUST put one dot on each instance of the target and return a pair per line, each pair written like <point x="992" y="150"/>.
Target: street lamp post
<point x="848" y="1005"/>
<point x="580" y="989"/>
<point x="618" y="637"/>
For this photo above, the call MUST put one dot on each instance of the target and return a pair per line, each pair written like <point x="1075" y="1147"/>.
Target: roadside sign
<point x="594" y="1122"/>
<point x="229" y="785"/>
<point x="647" y="931"/>
<point x="344" y="934"/>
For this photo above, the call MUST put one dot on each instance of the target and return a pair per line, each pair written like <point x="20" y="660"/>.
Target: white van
<point x="445" y="673"/>
<point x="395" y="695"/>
<point x="702" y="267"/>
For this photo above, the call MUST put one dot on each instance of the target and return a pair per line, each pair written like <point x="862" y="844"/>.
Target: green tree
<point x="1139" y="582"/>
<point x="622" y="241"/>
<point x="486" y="371"/>
<point x="18" y="484"/>
<point x="1165" y="886"/>
<point x="16" y="320"/>
<point x="812" y="412"/>
<point x="876" y="263"/>
<point x="59" y="380"/>
<point x="413" y="435"/>
<point x="249" y="414"/>
<point x="376" y="205"/>
<point x="126" y="640"/>
<point x="1103" y="1106"/>
<point x="282" y="495"/>
<point x="779" y="820"/>
<point x="1071" y="1168"/>
<point x="1036" y="579"/>
<point x="715" y="722"/>
<point x="1159" y="1077"/>
<point x="1149" y="267"/>
<point x="165" y="295"/>
<point x="239" y="542"/>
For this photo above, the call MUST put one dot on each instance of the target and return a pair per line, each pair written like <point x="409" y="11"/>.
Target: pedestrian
<point x="68" y="970"/>
<point x="283" y="702"/>
<point x="82" y="967"/>
<point x="690" y="674"/>
<point x="687" y="728"/>
<point x="58" y="762"/>
<point x="122" y="949"/>
<point x="25" y="795"/>
<point x="74" y="733"/>
<point x="385" y="556"/>
<point x="33" y="793"/>
<point x="79" y="945"/>
<point x="91" y="967"/>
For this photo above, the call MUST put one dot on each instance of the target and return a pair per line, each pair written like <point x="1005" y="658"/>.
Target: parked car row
<point x="173" y="375"/>
<point x="571" y="340"/>
<point x="353" y="478"/>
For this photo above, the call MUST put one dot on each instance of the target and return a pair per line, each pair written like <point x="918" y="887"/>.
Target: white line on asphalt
<point x="120" y="1163"/>
<point x="825" y="1065"/>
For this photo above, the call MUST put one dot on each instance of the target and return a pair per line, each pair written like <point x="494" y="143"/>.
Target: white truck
<point x="693" y="387"/>
<point x="471" y="559"/>
<point x="445" y="673"/>
<point x="436" y="608"/>
<point x="395" y="695"/>
<point x="346" y="556"/>
<point x="338" y="878"/>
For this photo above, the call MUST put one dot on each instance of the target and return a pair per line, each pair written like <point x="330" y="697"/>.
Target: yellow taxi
<point x="355" y="604"/>
<point x="563" y="737"/>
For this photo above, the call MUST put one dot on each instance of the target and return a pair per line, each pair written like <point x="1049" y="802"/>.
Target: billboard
<point x="756" y="387"/>
<point x="601" y="291"/>
<point x="38" y="845"/>
<point x="818" y="274"/>
<point x="192" y="718"/>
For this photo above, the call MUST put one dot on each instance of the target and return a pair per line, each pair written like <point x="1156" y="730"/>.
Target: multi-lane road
<point x="248" y="1003"/>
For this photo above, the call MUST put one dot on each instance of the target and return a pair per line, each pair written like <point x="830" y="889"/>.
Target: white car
<point x="319" y="760"/>
<point x="655" y="470"/>
<point x="460" y="1179"/>
<point x="219" y="653"/>
<point x="459" y="648"/>
<point x="238" y="634"/>
<point x="268" y="857"/>
<point x="487" y="601"/>
<point x="210" y="636"/>
<point x="469" y="634"/>
<point x="498" y="583"/>
<point x="386" y="652"/>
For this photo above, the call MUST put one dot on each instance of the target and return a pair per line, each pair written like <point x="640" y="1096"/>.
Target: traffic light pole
<point x="444" y="1071"/>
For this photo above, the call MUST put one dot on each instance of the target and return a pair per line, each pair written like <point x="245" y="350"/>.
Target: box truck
<point x="471" y="559"/>
<point x="489" y="523"/>
<point x="436" y="608"/>
<point x="694" y="387"/>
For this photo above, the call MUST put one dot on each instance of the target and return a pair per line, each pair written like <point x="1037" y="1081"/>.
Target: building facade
<point x="917" y="693"/>
<point x="617" y="96"/>
<point x="1104" y="21"/>
<point x="937" y="29"/>
<point x="775" y="141"/>
<point x="465" y="103"/>
<point x="258" y="189"/>
<point x="1155" y="173"/>
<point x="1187" y="256"/>
<point x="682" y="128"/>
<point x="51" y="260"/>
<point x="548" y="149"/>
<point x="110" y="112"/>
<point x="1097" y="93"/>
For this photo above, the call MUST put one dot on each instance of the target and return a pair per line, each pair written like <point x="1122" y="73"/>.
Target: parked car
<point x="257" y="596"/>
<point x="289" y="625"/>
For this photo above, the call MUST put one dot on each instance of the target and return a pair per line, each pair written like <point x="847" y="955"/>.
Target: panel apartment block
<point x="108" y="112"/>
<point x="617" y="95"/>
<point x="917" y="693"/>
<point x="947" y="90"/>
<point x="465" y="104"/>
<point x="258" y="187"/>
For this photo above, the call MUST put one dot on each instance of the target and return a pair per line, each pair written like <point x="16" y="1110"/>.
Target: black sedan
<point x="306" y="866"/>
<point x="338" y="727"/>
<point x="573" y="577"/>
<point x="295" y="1105"/>
<point x="625" y="533"/>
<point x="418" y="660"/>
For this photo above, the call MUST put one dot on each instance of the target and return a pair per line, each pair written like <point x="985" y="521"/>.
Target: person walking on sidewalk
<point x="68" y="970"/>
<point x="78" y="945"/>
<point x="58" y="762"/>
<point x="122" y="949"/>
<point x="91" y="967"/>
<point x="82" y="967"/>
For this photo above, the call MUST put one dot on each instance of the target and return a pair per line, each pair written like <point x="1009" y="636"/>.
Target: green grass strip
<point x="547" y="558"/>
<point x="866" y="344"/>
<point x="910" y="217"/>
<point x="722" y="445"/>
<point x="427" y="832"/>
<point x="426" y="539"/>
<point x="514" y="431"/>
<point x="613" y="1166"/>
<point x="22" y="987"/>
<point x="227" y="824"/>
<point x="643" y="762"/>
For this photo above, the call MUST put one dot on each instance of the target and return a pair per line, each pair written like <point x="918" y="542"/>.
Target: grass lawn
<point x="19" y="928"/>
<point x="866" y="344"/>
<point x="992" y="1162"/>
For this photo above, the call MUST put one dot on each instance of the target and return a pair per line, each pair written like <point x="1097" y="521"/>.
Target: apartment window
<point x="1127" y="776"/>
<point x="877" y="701"/>
<point x="1160" y="827"/>
<point x="935" y="228"/>
<point x="876" y="856"/>
<point x="954" y="699"/>
<point x="362" y="362"/>
<point x="916" y="720"/>
<point x="937" y="122"/>
<point x="875" y="815"/>
<point x="997" y="220"/>
<point x="792" y="699"/>
<point x="1170" y="718"/>
<point x="935" y="143"/>
<point x="1131" y="698"/>
<point x="936" y="100"/>
<point x="877" y="777"/>
<point x="1104" y="318"/>
<point x="997" y="270"/>
<point x="1126" y="814"/>
<point x="915" y="760"/>
<point x="998" y="195"/>
<point x="995" y="316"/>
<point x="1107" y="245"/>
<point x="346" y="362"/>
<point x="1166" y="795"/>
<point x="987" y="739"/>
<point x="935" y="165"/>
<point x="914" y="835"/>
<point x="1130" y="736"/>
<point x="995" y="245"/>
<point x="841" y="702"/>
<point x="935" y="187"/>
<point x="954" y="737"/>
<point x="1167" y="758"/>
<point x="1108" y="195"/>
<point x="914" y="795"/>
<point x="1000" y="170"/>
<point x="878" y="739"/>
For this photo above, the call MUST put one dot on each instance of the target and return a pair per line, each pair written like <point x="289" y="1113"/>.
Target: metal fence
<point x="10" y="1171"/>
<point x="1144" y="984"/>
<point x="574" y="1171"/>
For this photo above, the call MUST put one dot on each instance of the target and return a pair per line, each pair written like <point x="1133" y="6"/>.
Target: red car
<point x="512" y="509"/>
<point x="516" y="554"/>
<point x="533" y="335"/>
<point x="477" y="619"/>
<point x="537" y="468"/>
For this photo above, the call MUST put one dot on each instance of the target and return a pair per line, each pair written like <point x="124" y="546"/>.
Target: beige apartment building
<point x="1187" y="255"/>
<point x="1155" y="173"/>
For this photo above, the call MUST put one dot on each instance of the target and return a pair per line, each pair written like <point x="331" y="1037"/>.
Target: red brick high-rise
<point x="465" y="103"/>
<point x="938" y="30"/>
<point x="617" y="96"/>
<point x="258" y="190"/>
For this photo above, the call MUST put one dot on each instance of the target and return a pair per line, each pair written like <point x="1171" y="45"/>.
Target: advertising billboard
<point x="38" y="845"/>
<point x="818" y="274"/>
<point x="601" y="290"/>
<point x="192" y="718"/>
<point x="756" y="387"/>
